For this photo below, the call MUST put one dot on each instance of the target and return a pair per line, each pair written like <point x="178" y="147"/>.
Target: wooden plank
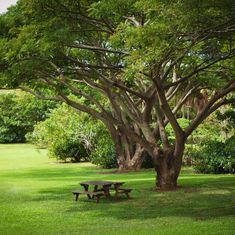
<point x="88" y="192"/>
<point x="97" y="195"/>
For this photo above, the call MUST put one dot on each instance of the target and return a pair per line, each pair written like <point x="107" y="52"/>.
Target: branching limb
<point x="196" y="70"/>
<point x="39" y="95"/>
<point x="95" y="48"/>
<point x="210" y="107"/>
<point x="161" y="126"/>
<point x="167" y="110"/>
<point x="184" y="98"/>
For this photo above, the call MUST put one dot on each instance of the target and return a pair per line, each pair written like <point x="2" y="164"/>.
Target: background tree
<point x="19" y="112"/>
<point x="134" y="64"/>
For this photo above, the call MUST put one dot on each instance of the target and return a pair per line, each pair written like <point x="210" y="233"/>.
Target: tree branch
<point x="95" y="48"/>
<point x="196" y="70"/>
<point x="39" y="95"/>
<point x="209" y="108"/>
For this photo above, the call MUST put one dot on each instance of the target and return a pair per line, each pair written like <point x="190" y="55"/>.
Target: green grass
<point x="35" y="198"/>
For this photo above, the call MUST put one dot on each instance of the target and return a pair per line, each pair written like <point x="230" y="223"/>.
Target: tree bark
<point x="129" y="154"/>
<point x="132" y="162"/>
<point x="168" y="168"/>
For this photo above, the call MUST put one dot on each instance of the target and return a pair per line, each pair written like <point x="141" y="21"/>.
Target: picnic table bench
<point x="90" y="194"/>
<point x="101" y="188"/>
<point x="126" y="191"/>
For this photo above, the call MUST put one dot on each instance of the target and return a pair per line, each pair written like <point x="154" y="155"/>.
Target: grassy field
<point x="35" y="198"/>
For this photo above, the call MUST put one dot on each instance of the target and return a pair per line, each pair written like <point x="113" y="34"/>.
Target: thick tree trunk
<point x="167" y="168"/>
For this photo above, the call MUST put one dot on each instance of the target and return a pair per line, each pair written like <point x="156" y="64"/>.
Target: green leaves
<point x="19" y="112"/>
<point x="70" y="135"/>
<point x="119" y="53"/>
<point x="215" y="157"/>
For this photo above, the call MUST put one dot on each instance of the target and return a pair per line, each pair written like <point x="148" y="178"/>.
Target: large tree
<point x="131" y="64"/>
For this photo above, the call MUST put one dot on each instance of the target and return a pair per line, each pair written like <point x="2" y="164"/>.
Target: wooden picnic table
<point x="101" y="188"/>
<point x="101" y="185"/>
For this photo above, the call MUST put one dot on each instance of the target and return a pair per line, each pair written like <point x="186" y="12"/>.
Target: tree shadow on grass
<point x="198" y="207"/>
<point x="214" y="199"/>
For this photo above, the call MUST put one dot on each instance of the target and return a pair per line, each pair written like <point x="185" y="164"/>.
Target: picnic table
<point x="101" y="188"/>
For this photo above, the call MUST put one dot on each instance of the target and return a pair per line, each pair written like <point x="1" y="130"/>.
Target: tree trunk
<point x="132" y="163"/>
<point x="127" y="166"/>
<point x="167" y="168"/>
<point x="128" y="153"/>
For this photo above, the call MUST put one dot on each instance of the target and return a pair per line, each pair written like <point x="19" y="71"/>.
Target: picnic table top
<point x="100" y="183"/>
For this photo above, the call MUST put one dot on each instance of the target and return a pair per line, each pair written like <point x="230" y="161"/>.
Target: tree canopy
<point x="131" y="64"/>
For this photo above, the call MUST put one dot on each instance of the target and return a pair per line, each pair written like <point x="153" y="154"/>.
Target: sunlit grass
<point x="35" y="198"/>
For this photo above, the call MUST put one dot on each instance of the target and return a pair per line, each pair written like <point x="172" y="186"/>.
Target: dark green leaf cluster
<point x="19" y="112"/>
<point x="74" y="136"/>
<point x="216" y="157"/>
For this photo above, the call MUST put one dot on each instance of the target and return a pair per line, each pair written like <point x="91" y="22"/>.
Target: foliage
<point x="61" y="134"/>
<point x="130" y="64"/>
<point x="67" y="148"/>
<point x="216" y="157"/>
<point x="226" y="118"/>
<point x="71" y="136"/>
<point x="183" y="122"/>
<point x="103" y="152"/>
<point x="19" y="112"/>
<point x="213" y="128"/>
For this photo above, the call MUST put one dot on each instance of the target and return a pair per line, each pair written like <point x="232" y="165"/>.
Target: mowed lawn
<point x="35" y="198"/>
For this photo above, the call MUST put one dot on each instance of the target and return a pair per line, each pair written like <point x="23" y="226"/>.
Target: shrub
<point x="61" y="134"/>
<point x="216" y="157"/>
<point x="103" y="152"/>
<point x="72" y="136"/>
<point x="67" y="149"/>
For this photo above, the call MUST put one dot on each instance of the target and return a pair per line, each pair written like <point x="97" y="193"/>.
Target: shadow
<point x="202" y="197"/>
<point x="204" y="200"/>
<point x="197" y="207"/>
